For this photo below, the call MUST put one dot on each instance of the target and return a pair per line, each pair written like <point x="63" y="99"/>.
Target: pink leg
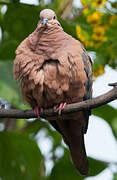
<point x="36" y="111"/>
<point x="64" y="105"/>
<point x="61" y="106"/>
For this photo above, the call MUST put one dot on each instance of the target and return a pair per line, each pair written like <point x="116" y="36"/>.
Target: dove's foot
<point x="37" y="111"/>
<point x="61" y="106"/>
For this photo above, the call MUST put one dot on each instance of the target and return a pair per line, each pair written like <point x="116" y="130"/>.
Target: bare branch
<point x="70" y="108"/>
<point x="67" y="9"/>
<point x="76" y="15"/>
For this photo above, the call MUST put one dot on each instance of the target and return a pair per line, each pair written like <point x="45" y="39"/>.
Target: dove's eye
<point x="54" y="17"/>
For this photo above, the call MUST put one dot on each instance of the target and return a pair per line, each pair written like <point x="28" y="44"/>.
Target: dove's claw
<point x="61" y="106"/>
<point x="36" y="111"/>
<point x="64" y="105"/>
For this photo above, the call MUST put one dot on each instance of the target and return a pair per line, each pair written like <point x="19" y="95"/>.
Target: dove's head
<point x="48" y="18"/>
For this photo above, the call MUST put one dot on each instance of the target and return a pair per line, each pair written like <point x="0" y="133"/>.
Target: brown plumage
<point x="53" y="68"/>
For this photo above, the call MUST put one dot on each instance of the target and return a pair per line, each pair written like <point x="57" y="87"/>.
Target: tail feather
<point x="71" y="129"/>
<point x="78" y="156"/>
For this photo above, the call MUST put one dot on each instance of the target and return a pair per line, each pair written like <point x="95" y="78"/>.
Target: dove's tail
<point x="71" y="127"/>
<point x="78" y="155"/>
<point x="76" y="143"/>
<point x="74" y="137"/>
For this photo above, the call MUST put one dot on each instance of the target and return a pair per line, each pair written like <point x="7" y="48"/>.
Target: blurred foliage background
<point x="94" y="23"/>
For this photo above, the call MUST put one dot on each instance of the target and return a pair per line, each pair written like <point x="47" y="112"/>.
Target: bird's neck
<point x="46" y="39"/>
<point x="52" y="36"/>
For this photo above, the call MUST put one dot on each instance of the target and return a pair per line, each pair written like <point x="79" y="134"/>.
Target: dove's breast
<point x="53" y="76"/>
<point x="62" y="82"/>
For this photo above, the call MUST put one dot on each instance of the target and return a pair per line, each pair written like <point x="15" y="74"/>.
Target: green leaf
<point x="14" y="1"/>
<point x="20" y="20"/>
<point x="109" y="114"/>
<point x="7" y="49"/>
<point x="34" y="127"/>
<point x="115" y="176"/>
<point x="9" y="89"/>
<point x="96" y="166"/>
<point x="20" y="157"/>
<point x="64" y="168"/>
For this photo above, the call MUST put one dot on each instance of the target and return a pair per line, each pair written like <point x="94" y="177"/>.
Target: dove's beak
<point x="44" y="21"/>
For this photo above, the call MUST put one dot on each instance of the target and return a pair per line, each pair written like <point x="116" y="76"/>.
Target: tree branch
<point x="70" y="108"/>
<point x="76" y="15"/>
